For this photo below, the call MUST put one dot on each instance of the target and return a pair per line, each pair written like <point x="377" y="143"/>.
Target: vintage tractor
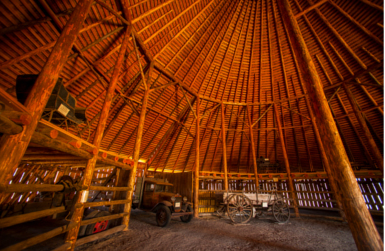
<point x="155" y="195"/>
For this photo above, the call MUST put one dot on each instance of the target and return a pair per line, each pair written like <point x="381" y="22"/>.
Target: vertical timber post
<point x="138" y="142"/>
<point x="332" y="181"/>
<point x="286" y="161"/>
<point x="12" y="147"/>
<point x="359" y="219"/>
<point x="224" y="147"/>
<point x="196" y="173"/>
<point x="90" y="166"/>
<point x="253" y="148"/>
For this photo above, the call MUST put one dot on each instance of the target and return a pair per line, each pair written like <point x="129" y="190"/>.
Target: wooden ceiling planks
<point x="234" y="51"/>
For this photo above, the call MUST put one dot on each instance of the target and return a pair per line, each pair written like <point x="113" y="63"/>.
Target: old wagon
<point x="241" y="207"/>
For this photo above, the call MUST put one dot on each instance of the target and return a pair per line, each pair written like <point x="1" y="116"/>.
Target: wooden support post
<point x="378" y="159"/>
<point x="122" y="180"/>
<point x="286" y="161"/>
<point x="88" y="173"/>
<point x="138" y="142"/>
<point x="253" y="149"/>
<point x="332" y="181"/>
<point x="360" y="221"/>
<point x="12" y="148"/>
<point x="196" y="170"/>
<point x="226" y="187"/>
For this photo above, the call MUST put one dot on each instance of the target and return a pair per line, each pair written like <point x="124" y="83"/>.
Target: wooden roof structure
<point x="205" y="86"/>
<point x="230" y="52"/>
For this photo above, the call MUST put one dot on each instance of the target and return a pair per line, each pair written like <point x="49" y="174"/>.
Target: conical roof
<point x="231" y="53"/>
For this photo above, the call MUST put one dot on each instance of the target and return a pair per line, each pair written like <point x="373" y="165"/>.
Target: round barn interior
<point x="230" y="115"/>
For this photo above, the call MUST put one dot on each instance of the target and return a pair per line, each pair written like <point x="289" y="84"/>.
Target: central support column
<point x="226" y="187"/>
<point x="360" y="221"/>
<point x="196" y="172"/>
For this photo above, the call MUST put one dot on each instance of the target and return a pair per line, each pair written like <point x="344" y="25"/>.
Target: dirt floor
<point x="212" y="233"/>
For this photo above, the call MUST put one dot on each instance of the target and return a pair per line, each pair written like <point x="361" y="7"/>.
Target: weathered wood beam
<point x="210" y="110"/>
<point x="41" y="237"/>
<point x="157" y="117"/>
<point x="367" y="152"/>
<point x="88" y="172"/>
<point x="13" y="61"/>
<point x="149" y="12"/>
<point x="339" y="37"/>
<point x="136" y="154"/>
<point x="105" y="182"/>
<point x="311" y="8"/>
<point x="27" y="24"/>
<point x="74" y="79"/>
<point x="104" y="5"/>
<point x="14" y="220"/>
<point x="184" y="142"/>
<point x="355" y="129"/>
<point x="290" y="109"/>
<point x="224" y="147"/>
<point x="9" y="127"/>
<point x="366" y="31"/>
<point x="163" y="86"/>
<point x="209" y="143"/>
<point x="371" y="4"/>
<point x="8" y="100"/>
<point x="263" y="114"/>
<point x="13" y="147"/>
<point x="286" y="161"/>
<point x="196" y="169"/>
<point x="101" y="39"/>
<point x="188" y="101"/>
<point x="377" y="156"/>
<point x="255" y="166"/>
<point x="357" y="214"/>
<point x="140" y="65"/>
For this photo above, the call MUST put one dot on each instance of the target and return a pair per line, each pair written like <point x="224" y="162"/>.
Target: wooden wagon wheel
<point x="281" y="211"/>
<point x="239" y="208"/>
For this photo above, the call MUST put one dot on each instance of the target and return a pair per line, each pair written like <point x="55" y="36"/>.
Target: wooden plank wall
<point x="51" y="174"/>
<point x="311" y="193"/>
<point x="182" y="182"/>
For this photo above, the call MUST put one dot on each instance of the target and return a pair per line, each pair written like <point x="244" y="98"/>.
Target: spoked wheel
<point x="239" y="208"/>
<point x="281" y="211"/>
